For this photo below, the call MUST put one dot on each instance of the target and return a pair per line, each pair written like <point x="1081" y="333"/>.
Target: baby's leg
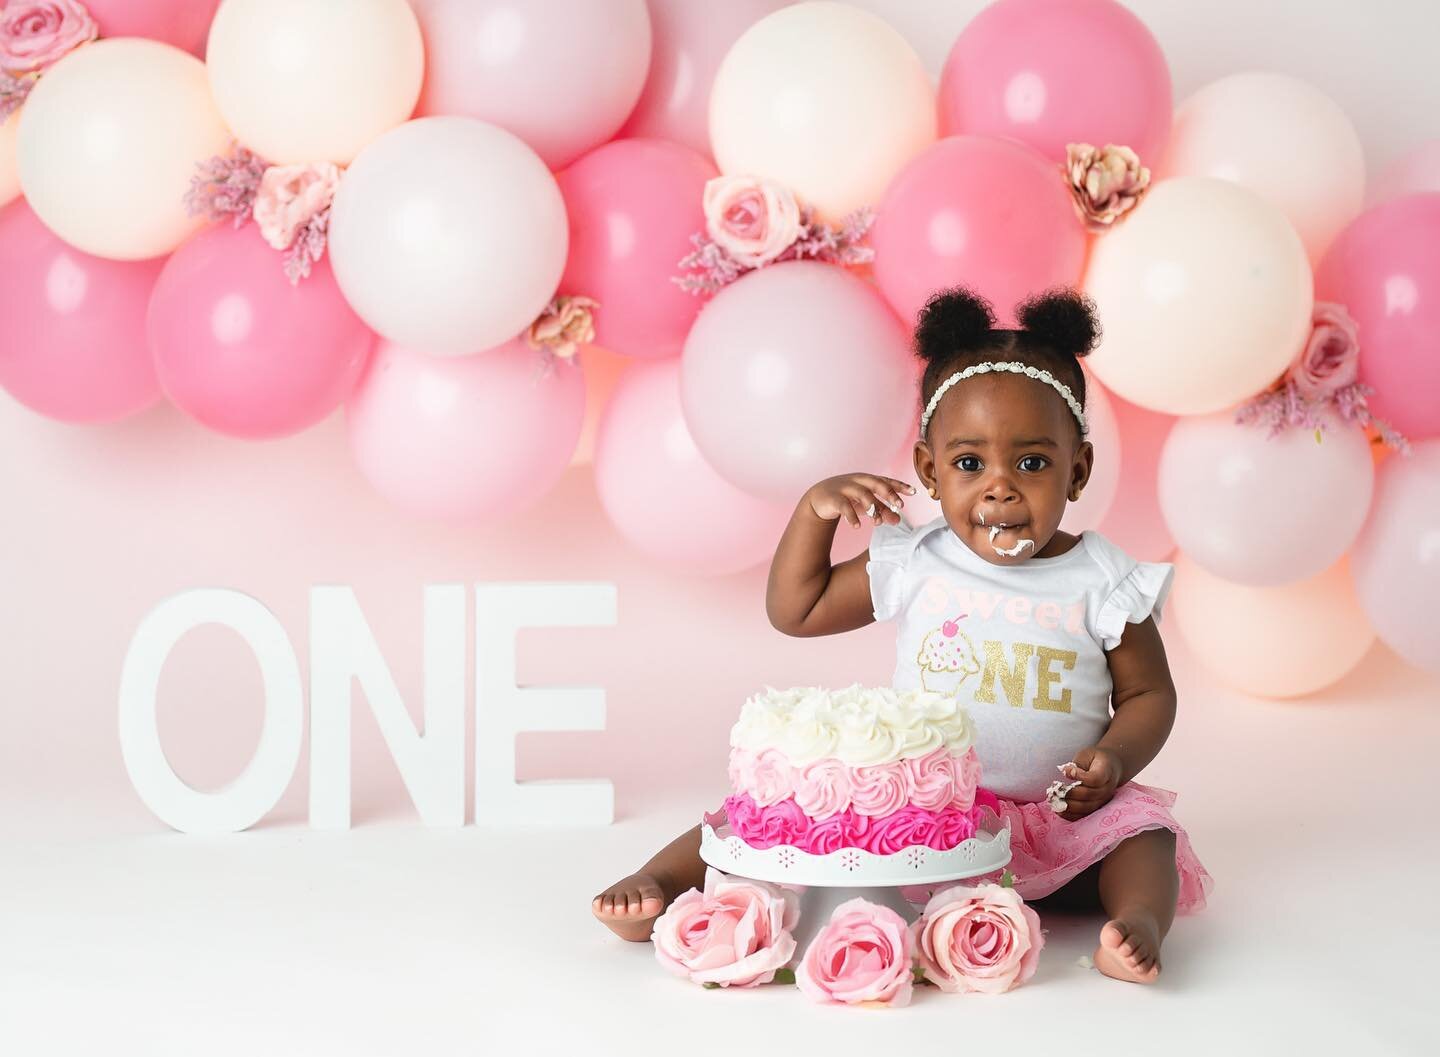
<point x="1139" y="887"/>
<point x="631" y="905"/>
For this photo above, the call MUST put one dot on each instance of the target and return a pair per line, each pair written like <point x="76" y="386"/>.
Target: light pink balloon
<point x="1419" y="170"/>
<point x="465" y="437"/>
<point x="633" y="205"/>
<point x="1052" y="72"/>
<point x="1396" y="559"/>
<point x="1134" y="520"/>
<point x="1090" y="509"/>
<point x="1282" y="641"/>
<point x="1385" y="269"/>
<point x="1264" y="510"/>
<point x="183" y="23"/>
<point x="563" y="75"/>
<point x="988" y="213"/>
<point x="660" y="492"/>
<point x="72" y="344"/>
<point x="690" y="39"/>
<point x="796" y="372"/>
<point x="241" y="350"/>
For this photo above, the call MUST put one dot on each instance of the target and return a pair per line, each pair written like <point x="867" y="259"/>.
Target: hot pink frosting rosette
<point x="978" y="939"/>
<point x="736" y="933"/>
<point x="862" y="955"/>
<point x="786" y="823"/>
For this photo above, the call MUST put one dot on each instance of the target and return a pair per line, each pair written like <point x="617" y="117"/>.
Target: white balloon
<point x="109" y="139"/>
<point x="448" y="235"/>
<point x="314" y="80"/>
<point x="1099" y="493"/>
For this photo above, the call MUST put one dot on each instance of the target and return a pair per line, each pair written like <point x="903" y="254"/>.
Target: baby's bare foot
<point x="630" y="906"/>
<point x="1130" y="948"/>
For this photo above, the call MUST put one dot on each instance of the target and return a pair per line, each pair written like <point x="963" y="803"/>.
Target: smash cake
<point x="877" y="769"/>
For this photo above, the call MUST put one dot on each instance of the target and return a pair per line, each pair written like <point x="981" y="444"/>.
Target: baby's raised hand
<point x="1099" y="773"/>
<point x="856" y="495"/>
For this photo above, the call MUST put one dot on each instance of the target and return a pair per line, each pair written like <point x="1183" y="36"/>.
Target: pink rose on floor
<point x="290" y="197"/>
<point x="1331" y="358"/>
<point x="878" y="791"/>
<point x="863" y="954"/>
<point x="978" y="939"/>
<point x="735" y="934"/>
<point x="1105" y="183"/>
<point x="931" y="779"/>
<point x="566" y="323"/>
<point x="967" y="780"/>
<point x="35" y="34"/>
<point x="753" y="220"/>
<point x="822" y="788"/>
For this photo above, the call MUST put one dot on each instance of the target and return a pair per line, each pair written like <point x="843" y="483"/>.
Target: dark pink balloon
<point x="183" y="23"/>
<point x="240" y="349"/>
<point x="1385" y="268"/>
<point x="1052" y="72"/>
<point x="633" y="205"/>
<point x="72" y="326"/>
<point x="989" y="213"/>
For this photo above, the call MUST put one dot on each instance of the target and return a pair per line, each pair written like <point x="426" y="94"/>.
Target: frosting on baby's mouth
<point x="1008" y="552"/>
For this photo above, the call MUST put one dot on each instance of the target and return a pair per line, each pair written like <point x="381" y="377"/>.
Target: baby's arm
<point x="1143" y="698"/>
<point x="808" y="596"/>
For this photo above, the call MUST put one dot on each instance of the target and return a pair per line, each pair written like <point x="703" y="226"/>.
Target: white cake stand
<point x="830" y="880"/>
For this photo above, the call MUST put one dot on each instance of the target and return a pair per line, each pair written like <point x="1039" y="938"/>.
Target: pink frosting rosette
<point x="823" y="788"/>
<point x="902" y="829"/>
<point x="734" y="934"/>
<point x="931" y="779"/>
<point x="967" y="780"/>
<point x="765" y="827"/>
<point x="862" y="955"/>
<point x="978" y="939"/>
<point x="880" y="790"/>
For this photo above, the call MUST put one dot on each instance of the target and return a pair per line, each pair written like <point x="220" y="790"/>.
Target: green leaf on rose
<point x="784" y="976"/>
<point x="1007" y="880"/>
<point x="709" y="985"/>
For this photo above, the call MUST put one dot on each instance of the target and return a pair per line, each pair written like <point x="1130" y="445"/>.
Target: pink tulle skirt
<point x="1047" y="851"/>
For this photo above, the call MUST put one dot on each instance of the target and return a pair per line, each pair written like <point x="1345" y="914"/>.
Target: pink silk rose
<point x="751" y="219"/>
<point x="290" y="197"/>
<point x="1105" y="183"/>
<point x="862" y="955"/>
<point x="566" y="323"/>
<point x="978" y="939"/>
<point x="734" y="934"/>
<point x="35" y="34"/>
<point x="1331" y="358"/>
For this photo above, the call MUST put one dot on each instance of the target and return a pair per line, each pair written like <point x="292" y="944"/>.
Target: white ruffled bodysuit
<point x="1023" y="646"/>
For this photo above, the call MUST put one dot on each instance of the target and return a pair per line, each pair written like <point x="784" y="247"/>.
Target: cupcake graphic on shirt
<point x="947" y="658"/>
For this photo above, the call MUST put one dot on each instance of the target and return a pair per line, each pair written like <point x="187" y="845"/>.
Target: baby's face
<point x="1005" y="455"/>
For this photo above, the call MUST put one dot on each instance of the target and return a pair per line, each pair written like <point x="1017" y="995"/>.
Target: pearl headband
<point x="1013" y="368"/>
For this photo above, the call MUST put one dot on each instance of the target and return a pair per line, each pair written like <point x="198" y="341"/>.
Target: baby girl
<point x="1040" y="632"/>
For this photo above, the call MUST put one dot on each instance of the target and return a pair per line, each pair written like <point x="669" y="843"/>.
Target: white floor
<point x="118" y="937"/>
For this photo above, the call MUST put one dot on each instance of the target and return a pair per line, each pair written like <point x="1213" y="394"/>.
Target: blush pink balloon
<point x="690" y="39"/>
<point x="1052" y="72"/>
<point x="633" y="205"/>
<point x="72" y="340"/>
<point x="1396" y="560"/>
<point x="1385" y="269"/>
<point x="988" y="213"/>
<point x="1263" y="510"/>
<point x="602" y="372"/>
<point x="240" y="349"/>
<point x="1134" y="520"/>
<point x="1419" y="170"/>
<point x="183" y="23"/>
<point x="1090" y="509"/>
<point x="795" y="372"/>
<point x="465" y="437"/>
<point x="662" y="495"/>
<point x="563" y="75"/>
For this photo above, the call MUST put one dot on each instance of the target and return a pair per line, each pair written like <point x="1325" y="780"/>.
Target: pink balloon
<point x="603" y="369"/>
<point x="985" y="212"/>
<point x="241" y="350"/>
<point x="465" y="437"/>
<point x="1134" y="520"/>
<point x="1052" y="72"/>
<point x="660" y="492"/>
<point x="1419" y="170"/>
<point x="72" y="345"/>
<point x="1385" y="269"/>
<point x="795" y="372"/>
<point x="1272" y="641"/>
<point x="633" y="205"/>
<point x="183" y="23"/>
<point x="563" y="75"/>
<point x="1396" y="560"/>
<point x="690" y="39"/>
<point x="1263" y="510"/>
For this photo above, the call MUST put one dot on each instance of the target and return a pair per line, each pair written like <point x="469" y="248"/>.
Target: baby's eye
<point x="968" y="463"/>
<point x="1033" y="463"/>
